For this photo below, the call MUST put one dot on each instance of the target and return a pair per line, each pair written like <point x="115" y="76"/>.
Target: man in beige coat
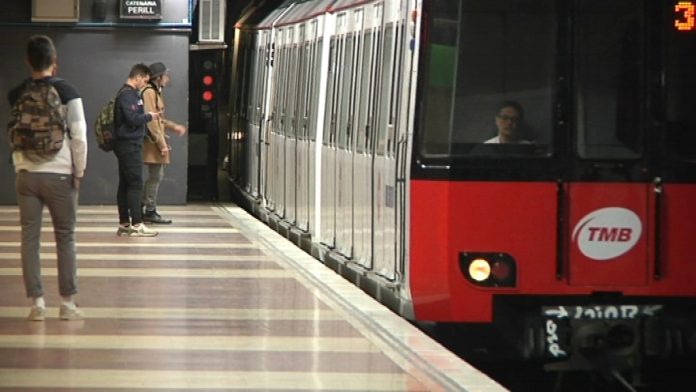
<point x="155" y="148"/>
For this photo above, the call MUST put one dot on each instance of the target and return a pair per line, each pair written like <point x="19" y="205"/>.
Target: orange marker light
<point x="684" y="15"/>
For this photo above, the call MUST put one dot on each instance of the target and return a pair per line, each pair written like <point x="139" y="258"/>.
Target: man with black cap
<point x="155" y="148"/>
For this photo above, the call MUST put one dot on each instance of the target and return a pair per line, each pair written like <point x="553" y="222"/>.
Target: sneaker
<point x="37" y="314"/>
<point x="142" y="231"/>
<point x="154" y="217"/>
<point x="70" y="313"/>
<point x="123" y="230"/>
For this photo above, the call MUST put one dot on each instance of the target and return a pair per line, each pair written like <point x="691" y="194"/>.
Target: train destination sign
<point x="141" y="9"/>
<point x="684" y="16"/>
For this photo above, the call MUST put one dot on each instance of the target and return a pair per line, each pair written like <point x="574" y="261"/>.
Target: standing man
<point x="155" y="148"/>
<point x="129" y="125"/>
<point x="52" y="180"/>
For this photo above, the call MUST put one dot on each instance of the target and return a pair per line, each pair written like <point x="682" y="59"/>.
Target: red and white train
<point x="357" y="130"/>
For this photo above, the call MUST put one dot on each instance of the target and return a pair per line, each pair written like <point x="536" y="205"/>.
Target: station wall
<point x="96" y="56"/>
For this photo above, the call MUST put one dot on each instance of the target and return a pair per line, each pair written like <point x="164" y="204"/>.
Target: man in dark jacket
<point x="129" y="123"/>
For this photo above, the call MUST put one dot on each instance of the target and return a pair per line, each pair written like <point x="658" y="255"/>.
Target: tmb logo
<point x="607" y="233"/>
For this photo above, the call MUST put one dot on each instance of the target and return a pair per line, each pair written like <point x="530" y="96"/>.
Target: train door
<point x="609" y="207"/>
<point x="264" y="64"/>
<point x="385" y="147"/>
<point x="330" y="138"/>
<point x="404" y="91"/>
<point x="291" y="121"/>
<point x="344" y="199"/>
<point x="315" y="98"/>
<point x="362" y="158"/>
<point x="277" y="146"/>
<point x="303" y="154"/>
<point x="253" y="115"/>
<point x="259" y="114"/>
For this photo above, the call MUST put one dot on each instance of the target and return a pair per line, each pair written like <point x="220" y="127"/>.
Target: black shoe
<point x="154" y="217"/>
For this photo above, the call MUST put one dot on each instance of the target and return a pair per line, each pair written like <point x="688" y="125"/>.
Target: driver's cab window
<point x="500" y="89"/>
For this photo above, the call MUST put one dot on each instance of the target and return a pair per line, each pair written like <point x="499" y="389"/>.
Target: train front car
<point x="557" y="141"/>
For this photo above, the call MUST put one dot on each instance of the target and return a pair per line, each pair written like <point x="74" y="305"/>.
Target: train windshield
<point x="489" y="76"/>
<point x="584" y="79"/>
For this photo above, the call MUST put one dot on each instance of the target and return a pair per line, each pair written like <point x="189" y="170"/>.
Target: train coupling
<point x="608" y="337"/>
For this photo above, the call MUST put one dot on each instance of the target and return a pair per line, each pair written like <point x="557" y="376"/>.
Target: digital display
<point x="684" y="15"/>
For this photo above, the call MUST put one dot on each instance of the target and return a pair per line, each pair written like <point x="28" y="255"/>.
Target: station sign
<point x="141" y="9"/>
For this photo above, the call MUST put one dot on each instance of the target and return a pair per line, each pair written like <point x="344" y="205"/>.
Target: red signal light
<point x="207" y="96"/>
<point x="208" y="80"/>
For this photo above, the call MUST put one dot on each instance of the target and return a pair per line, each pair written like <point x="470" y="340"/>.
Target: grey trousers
<point x="155" y="174"/>
<point x="56" y="191"/>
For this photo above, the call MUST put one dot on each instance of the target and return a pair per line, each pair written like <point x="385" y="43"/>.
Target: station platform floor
<point x="217" y="301"/>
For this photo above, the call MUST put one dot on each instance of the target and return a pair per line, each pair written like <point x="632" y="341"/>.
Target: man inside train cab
<point x="155" y="147"/>
<point x="508" y="121"/>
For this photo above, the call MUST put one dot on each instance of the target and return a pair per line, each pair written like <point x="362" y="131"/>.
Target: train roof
<point x="304" y="10"/>
<point x="295" y="11"/>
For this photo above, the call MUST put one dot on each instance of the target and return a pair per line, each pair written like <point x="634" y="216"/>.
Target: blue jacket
<point x="130" y="117"/>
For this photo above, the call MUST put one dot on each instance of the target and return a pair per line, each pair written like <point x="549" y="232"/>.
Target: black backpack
<point x="38" y="121"/>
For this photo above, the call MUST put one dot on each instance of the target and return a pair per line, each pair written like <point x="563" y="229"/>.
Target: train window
<point x="680" y="81"/>
<point x="608" y="60"/>
<point x="385" y="95"/>
<point x="363" y="126"/>
<point x="396" y="89"/>
<point x="330" y="117"/>
<point x="345" y="100"/>
<point x="316" y="47"/>
<point x="476" y="58"/>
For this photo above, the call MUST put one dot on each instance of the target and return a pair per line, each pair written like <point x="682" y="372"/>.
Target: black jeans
<point x="130" y="181"/>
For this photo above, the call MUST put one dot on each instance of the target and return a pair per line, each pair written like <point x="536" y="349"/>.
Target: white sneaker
<point x="123" y="230"/>
<point x="37" y="314"/>
<point x="142" y="231"/>
<point x="70" y="313"/>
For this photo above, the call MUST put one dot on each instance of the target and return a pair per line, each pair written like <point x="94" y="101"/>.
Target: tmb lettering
<point x="610" y="234"/>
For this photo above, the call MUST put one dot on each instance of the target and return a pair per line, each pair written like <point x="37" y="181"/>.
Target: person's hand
<point x="76" y="182"/>
<point x="155" y="115"/>
<point x="165" y="150"/>
<point x="179" y="129"/>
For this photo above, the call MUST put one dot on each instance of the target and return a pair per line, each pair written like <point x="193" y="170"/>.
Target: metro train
<point x="357" y="130"/>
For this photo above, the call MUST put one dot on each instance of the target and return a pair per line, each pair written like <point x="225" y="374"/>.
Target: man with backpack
<point x="129" y="126"/>
<point x="47" y="133"/>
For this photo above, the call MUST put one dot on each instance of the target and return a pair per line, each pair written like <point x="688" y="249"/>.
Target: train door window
<point x="396" y="87"/>
<point x="280" y="80"/>
<point x="608" y="90"/>
<point x="357" y="77"/>
<point x="293" y="79"/>
<point x="680" y="79"/>
<point x="346" y="72"/>
<point x="478" y="55"/>
<point x="363" y="124"/>
<point x="385" y="89"/>
<point x="301" y="78"/>
<point x="375" y="93"/>
<point x="261" y="84"/>
<point x="307" y="69"/>
<point x="316" y="69"/>
<point x="330" y="117"/>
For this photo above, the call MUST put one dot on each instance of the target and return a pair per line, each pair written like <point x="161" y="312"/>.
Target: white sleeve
<point x="78" y="136"/>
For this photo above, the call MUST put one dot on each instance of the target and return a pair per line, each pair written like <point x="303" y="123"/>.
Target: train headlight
<point x="488" y="269"/>
<point x="479" y="270"/>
